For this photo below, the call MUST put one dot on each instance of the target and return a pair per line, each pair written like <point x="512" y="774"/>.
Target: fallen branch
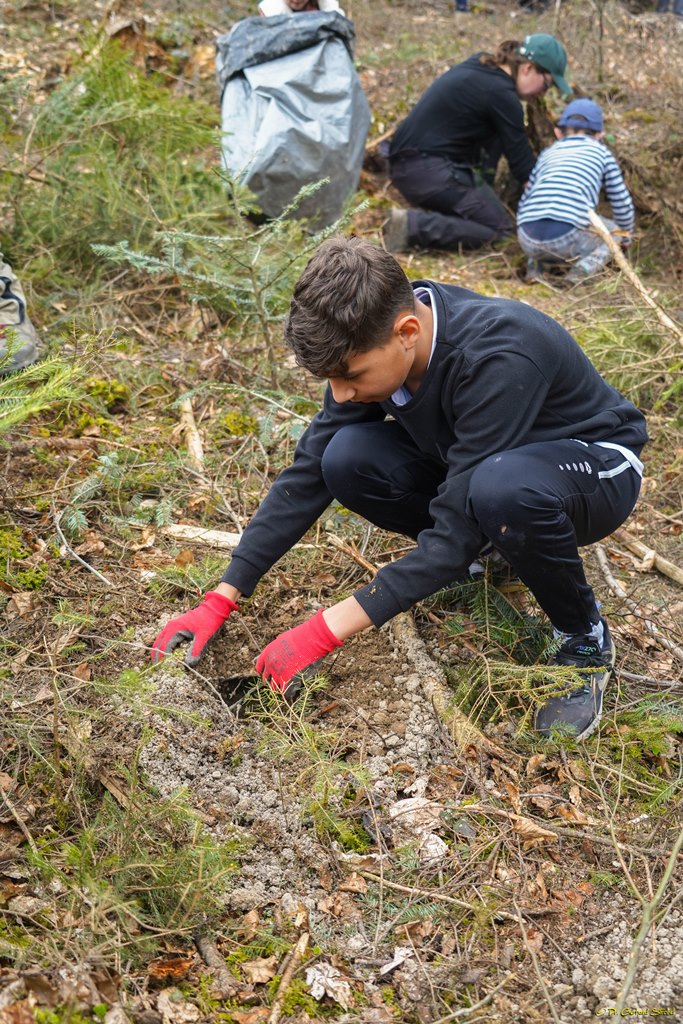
<point x="663" y="565"/>
<point x="630" y="274"/>
<point x="200" y="535"/>
<point x="462" y="730"/>
<point x="226" y="985"/>
<point x="294" y="958"/>
<point x="619" y="591"/>
<point x="188" y="425"/>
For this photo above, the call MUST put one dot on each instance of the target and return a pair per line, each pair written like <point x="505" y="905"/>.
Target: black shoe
<point x="579" y="711"/>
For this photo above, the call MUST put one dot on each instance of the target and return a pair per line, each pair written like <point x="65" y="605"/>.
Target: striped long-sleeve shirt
<point x="566" y="183"/>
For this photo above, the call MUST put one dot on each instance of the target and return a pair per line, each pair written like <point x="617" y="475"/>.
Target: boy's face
<point x="373" y="376"/>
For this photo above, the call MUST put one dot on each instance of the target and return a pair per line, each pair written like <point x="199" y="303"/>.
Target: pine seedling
<point x="246" y="273"/>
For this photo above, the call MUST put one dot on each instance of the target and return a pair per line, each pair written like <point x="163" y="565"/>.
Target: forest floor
<point x="176" y="845"/>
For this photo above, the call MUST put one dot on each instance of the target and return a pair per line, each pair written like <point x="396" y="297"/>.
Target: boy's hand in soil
<point x="295" y="650"/>
<point x="199" y="625"/>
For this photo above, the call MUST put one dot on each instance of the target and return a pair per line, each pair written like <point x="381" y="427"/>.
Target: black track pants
<point x="536" y="504"/>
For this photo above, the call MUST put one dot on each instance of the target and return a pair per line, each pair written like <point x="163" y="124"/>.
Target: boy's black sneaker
<point x="579" y="710"/>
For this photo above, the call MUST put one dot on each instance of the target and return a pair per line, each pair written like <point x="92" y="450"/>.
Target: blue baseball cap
<point x="582" y="114"/>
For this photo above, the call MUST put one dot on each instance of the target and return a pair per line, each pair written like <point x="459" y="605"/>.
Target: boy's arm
<point x="294" y="502"/>
<point x="618" y="195"/>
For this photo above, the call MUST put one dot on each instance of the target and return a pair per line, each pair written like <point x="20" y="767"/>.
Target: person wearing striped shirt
<point x="553" y="221"/>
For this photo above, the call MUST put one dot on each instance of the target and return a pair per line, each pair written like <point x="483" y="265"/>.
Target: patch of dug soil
<point x="258" y="773"/>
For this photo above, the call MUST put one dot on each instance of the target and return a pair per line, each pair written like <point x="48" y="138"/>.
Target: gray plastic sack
<point x="293" y="110"/>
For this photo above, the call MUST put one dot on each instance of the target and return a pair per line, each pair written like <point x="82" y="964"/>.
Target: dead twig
<point x="534" y="959"/>
<point x="441" y="897"/>
<point x="633" y="279"/>
<point x="294" y="958"/>
<point x="57" y="521"/>
<point x="648" y="554"/>
<point x="188" y="424"/>
<point x="617" y="589"/>
<point x="465" y="1011"/>
<point x="20" y="821"/>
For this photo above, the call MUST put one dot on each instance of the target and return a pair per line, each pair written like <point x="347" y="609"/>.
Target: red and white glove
<point x="295" y="650"/>
<point x="200" y="625"/>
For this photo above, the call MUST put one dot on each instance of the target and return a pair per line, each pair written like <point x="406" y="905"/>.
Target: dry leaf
<point x="354" y="883"/>
<point x="82" y="671"/>
<point x="573" y="815"/>
<point x="575" y="796"/>
<point x="249" y="925"/>
<point x="21" y="1012"/>
<point x="261" y="970"/>
<point x="432" y="848"/>
<point x="332" y="905"/>
<point x="534" y="763"/>
<point x="21" y="605"/>
<point x="323" y="979"/>
<point x="532" y="834"/>
<point x="401" y="954"/>
<point x="416" y="814"/>
<point x="543" y="796"/>
<point x="513" y="794"/>
<point x="255" y="1016"/>
<point x="169" y="969"/>
<point x="175" y="1009"/>
<point x="364" y="861"/>
<point x="7" y="784"/>
<point x="534" y="939"/>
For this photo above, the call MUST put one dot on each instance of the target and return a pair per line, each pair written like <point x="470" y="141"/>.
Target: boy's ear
<point x="407" y="326"/>
<point x="559" y="134"/>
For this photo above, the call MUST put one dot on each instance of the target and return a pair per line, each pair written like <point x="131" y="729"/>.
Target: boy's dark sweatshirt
<point x="502" y="375"/>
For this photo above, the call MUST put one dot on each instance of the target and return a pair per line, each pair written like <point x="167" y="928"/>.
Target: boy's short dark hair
<point x="346" y="301"/>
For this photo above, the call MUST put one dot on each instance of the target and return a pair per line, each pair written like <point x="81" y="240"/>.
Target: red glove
<point x="201" y="625"/>
<point x="295" y="650"/>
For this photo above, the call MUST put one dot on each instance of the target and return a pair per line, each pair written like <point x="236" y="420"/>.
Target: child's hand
<point x="199" y="625"/>
<point x="295" y="650"/>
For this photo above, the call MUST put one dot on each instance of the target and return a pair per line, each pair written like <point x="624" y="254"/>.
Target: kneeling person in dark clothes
<point x="443" y="157"/>
<point x="458" y="420"/>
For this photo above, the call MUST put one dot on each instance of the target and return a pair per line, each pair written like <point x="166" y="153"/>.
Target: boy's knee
<point x="340" y="461"/>
<point x="498" y="494"/>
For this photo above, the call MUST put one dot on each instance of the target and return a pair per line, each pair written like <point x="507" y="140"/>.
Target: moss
<point x="236" y="424"/>
<point x="643" y="116"/>
<point x="32" y="578"/>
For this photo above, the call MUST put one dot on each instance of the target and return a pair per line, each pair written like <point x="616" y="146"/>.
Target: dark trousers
<point x="536" y="504"/>
<point x="454" y="211"/>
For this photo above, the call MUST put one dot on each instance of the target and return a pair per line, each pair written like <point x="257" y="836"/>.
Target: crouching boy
<point x="553" y="221"/>
<point x="454" y="419"/>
